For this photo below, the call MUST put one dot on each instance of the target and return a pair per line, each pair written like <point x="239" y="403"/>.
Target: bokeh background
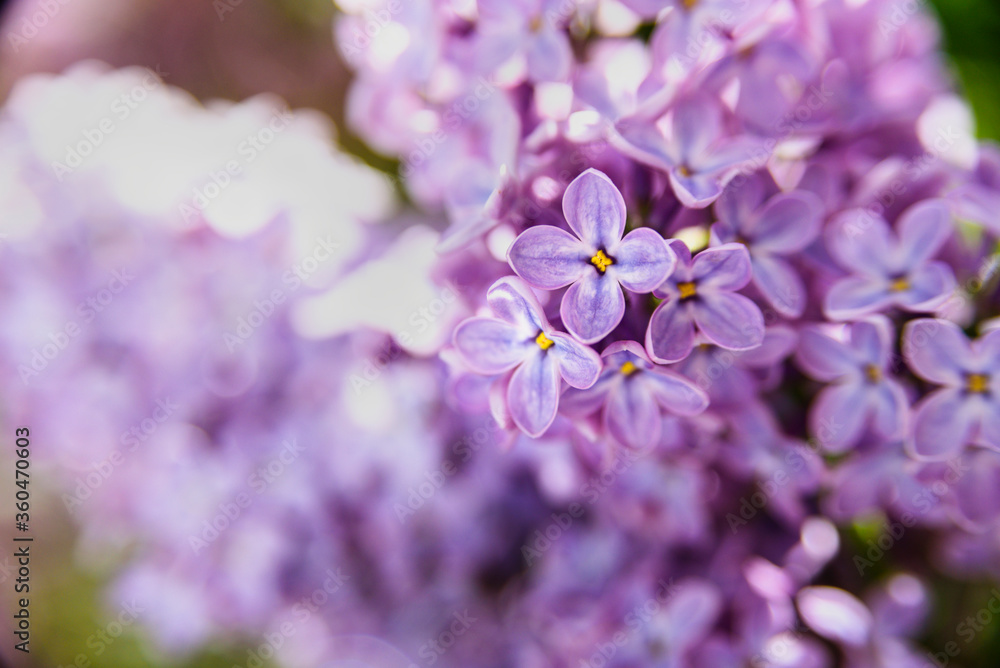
<point x="287" y="47"/>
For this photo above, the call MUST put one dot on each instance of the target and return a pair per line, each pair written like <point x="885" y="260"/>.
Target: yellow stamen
<point x="601" y="261"/>
<point x="899" y="285"/>
<point x="689" y="4"/>
<point x="685" y="170"/>
<point x="543" y="341"/>
<point x="687" y="289"/>
<point x="628" y="368"/>
<point x="536" y="23"/>
<point x="873" y="373"/>
<point x="978" y="383"/>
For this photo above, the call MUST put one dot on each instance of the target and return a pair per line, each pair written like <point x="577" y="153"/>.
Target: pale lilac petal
<point x="727" y="156"/>
<point x="780" y="285"/>
<point x="872" y="338"/>
<point x="890" y="406"/>
<point x="581" y="403"/>
<point x="987" y="349"/>
<point x="937" y="350"/>
<point x="533" y="394"/>
<point x="729" y="320"/>
<point x="490" y="346"/>
<point x="691" y="612"/>
<point x="632" y="416"/>
<point x="697" y="124"/>
<point x="578" y="364"/>
<point x="861" y="242"/>
<point x="725" y="267"/>
<point x="856" y="296"/>
<point x="738" y="206"/>
<point x="976" y="492"/>
<point x="642" y="142"/>
<point x="779" y="342"/>
<point x="674" y="392"/>
<point x="788" y="223"/>
<point x="512" y="300"/>
<point x="989" y="418"/>
<point x="643" y="260"/>
<point x="549" y="56"/>
<point x="592" y="307"/>
<point x="835" y="614"/>
<point x="838" y="416"/>
<point x="695" y="190"/>
<point x="548" y="257"/>
<point x="930" y="287"/>
<point x="824" y="358"/>
<point x="670" y="336"/>
<point x="942" y="425"/>
<point x="595" y="209"/>
<point x="922" y="230"/>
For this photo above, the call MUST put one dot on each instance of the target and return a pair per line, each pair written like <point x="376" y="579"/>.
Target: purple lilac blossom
<point x="700" y="297"/>
<point x="597" y="262"/>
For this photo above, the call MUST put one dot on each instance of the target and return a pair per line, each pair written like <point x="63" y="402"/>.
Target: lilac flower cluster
<point x="749" y="242"/>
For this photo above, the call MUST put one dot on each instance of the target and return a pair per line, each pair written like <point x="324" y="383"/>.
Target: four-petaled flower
<point x="700" y="293"/>
<point x="520" y="338"/>
<point x="597" y="262"/>
<point x="890" y="271"/>
<point x="862" y="394"/>
<point x="632" y="390"/>
<point x="780" y="226"/>
<point x="967" y="409"/>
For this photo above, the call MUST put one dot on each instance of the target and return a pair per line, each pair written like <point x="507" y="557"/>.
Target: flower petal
<point x="533" y="394"/>
<point x="824" y="358"/>
<point x="643" y="260"/>
<point x="578" y="364"/>
<point x="696" y="124"/>
<point x="729" y="320"/>
<point x="632" y="416"/>
<point x="942" y="425"/>
<point x="872" y="340"/>
<point x="922" y="230"/>
<point x="788" y="223"/>
<point x="890" y="407"/>
<point x="856" y="296"/>
<point x="977" y="492"/>
<point x="835" y="614"/>
<point x="674" y="392"/>
<point x="694" y="190"/>
<point x="930" y="287"/>
<point x="725" y="267"/>
<point x="670" y="335"/>
<point x="581" y="403"/>
<point x="490" y="346"/>
<point x="936" y="350"/>
<point x="548" y="257"/>
<point x="595" y="209"/>
<point x="838" y="416"/>
<point x="549" y="56"/>
<point x="512" y="301"/>
<point x="780" y="285"/>
<point x="592" y="307"/>
<point x="860" y="242"/>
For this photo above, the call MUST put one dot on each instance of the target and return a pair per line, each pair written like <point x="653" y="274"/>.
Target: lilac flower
<point x="532" y="28"/>
<point x="696" y="153"/>
<point x="890" y="270"/>
<point x="631" y="391"/>
<point x="781" y="226"/>
<point x="700" y="293"/>
<point x="521" y="339"/>
<point x="597" y="262"/>
<point x="861" y="394"/>
<point x="967" y="409"/>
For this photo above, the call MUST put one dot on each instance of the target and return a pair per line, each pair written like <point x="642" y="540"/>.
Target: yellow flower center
<point x="689" y="4"/>
<point x="543" y="341"/>
<point x="628" y="368"/>
<point x="687" y="289"/>
<point x="684" y="170"/>
<point x="601" y="261"/>
<point x="899" y="285"/>
<point x="977" y="383"/>
<point x="535" y="24"/>
<point x="873" y="373"/>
